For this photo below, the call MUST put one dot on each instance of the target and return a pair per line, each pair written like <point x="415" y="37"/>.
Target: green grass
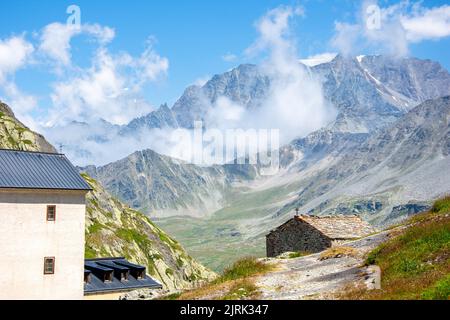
<point x="243" y="289"/>
<point x="243" y="268"/>
<point x="416" y="263"/>
<point x="236" y="282"/>
<point x="298" y="254"/>
<point x="172" y="296"/>
<point x="89" y="253"/>
<point x="441" y="205"/>
<point x="130" y="235"/>
<point x="95" y="227"/>
<point x="439" y="291"/>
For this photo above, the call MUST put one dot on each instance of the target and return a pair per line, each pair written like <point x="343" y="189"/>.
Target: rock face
<point x="15" y="135"/>
<point x="113" y="229"/>
<point x="372" y="91"/>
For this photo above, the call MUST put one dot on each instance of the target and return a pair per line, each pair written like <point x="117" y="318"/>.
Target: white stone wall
<point x="26" y="238"/>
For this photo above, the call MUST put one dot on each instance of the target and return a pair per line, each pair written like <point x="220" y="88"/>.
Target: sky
<point x="126" y="58"/>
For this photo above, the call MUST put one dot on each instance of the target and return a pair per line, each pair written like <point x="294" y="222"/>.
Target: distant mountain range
<point x="370" y="92"/>
<point x="383" y="157"/>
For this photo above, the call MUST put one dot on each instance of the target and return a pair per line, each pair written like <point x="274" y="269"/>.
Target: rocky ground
<point x="317" y="276"/>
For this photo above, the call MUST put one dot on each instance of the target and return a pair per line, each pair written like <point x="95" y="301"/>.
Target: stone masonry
<point x="314" y="234"/>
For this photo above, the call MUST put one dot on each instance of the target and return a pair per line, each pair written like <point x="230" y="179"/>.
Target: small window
<point x="108" y="276"/>
<point x="87" y="277"/>
<point x="124" y="276"/>
<point x="140" y="274"/>
<point x="51" y="213"/>
<point x="49" y="265"/>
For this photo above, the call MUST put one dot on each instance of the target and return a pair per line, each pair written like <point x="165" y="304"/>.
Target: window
<point x="124" y="276"/>
<point x="108" y="276"/>
<point x="51" y="213"/>
<point x="139" y="274"/>
<point x="49" y="265"/>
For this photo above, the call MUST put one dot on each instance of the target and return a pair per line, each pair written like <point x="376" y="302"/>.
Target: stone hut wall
<point x="295" y="236"/>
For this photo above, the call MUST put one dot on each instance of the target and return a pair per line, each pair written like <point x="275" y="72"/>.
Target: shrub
<point x="244" y="268"/>
<point x="441" y="205"/>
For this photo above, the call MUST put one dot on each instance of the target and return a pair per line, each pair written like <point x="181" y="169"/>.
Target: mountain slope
<point x="15" y="135"/>
<point x="113" y="229"/>
<point x="414" y="264"/>
<point x="400" y="163"/>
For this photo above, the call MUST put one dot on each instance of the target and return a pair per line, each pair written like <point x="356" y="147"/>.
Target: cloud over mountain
<point x="391" y="29"/>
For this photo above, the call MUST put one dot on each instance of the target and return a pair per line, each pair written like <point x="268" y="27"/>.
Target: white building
<point x="42" y="214"/>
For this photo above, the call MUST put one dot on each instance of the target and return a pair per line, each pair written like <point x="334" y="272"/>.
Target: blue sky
<point x="193" y="36"/>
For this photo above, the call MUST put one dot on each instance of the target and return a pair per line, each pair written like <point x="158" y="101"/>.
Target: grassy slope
<point x="236" y="282"/>
<point x="416" y="263"/>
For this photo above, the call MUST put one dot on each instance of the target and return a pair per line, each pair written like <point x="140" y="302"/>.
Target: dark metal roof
<point x="97" y="285"/>
<point x="38" y="170"/>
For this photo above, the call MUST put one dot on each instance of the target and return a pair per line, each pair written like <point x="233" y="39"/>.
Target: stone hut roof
<point x="337" y="227"/>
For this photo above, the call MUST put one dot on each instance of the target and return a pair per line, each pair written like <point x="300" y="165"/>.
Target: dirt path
<point x="310" y="278"/>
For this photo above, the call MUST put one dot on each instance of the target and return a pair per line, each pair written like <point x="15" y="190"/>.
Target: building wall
<point x="26" y="238"/>
<point x="295" y="236"/>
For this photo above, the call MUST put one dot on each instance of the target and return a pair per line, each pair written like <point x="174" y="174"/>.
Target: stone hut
<point x="307" y="233"/>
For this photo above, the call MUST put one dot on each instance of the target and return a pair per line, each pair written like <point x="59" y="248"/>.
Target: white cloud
<point x="229" y="57"/>
<point x="22" y="103"/>
<point x="427" y="24"/>
<point x="396" y="27"/>
<point x="14" y="54"/>
<point x="110" y="89"/>
<point x="56" y="38"/>
<point x="345" y="38"/>
<point x="102" y="91"/>
<point x="294" y="104"/>
<point x="152" y="64"/>
<point x="100" y="143"/>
